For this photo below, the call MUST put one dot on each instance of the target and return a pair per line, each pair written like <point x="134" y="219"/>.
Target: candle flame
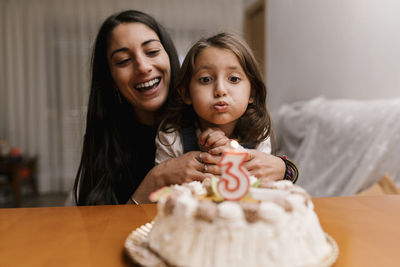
<point x="234" y="144"/>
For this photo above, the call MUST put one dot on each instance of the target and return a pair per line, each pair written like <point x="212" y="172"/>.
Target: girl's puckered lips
<point x="221" y="106"/>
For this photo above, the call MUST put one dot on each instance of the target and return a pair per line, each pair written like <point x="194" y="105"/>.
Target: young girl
<point x="220" y="96"/>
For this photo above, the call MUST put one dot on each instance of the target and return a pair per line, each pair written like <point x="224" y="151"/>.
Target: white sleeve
<point x="168" y="145"/>
<point x="265" y="146"/>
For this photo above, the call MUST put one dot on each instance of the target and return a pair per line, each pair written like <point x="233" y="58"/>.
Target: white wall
<point x="332" y="48"/>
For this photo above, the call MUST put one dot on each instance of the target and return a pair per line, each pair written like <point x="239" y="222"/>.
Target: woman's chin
<point x="153" y="105"/>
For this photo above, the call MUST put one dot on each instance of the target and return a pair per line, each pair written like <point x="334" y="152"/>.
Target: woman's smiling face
<point x="140" y="68"/>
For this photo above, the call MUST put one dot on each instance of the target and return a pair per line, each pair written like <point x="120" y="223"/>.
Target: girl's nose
<point x="142" y="65"/>
<point x="220" y="89"/>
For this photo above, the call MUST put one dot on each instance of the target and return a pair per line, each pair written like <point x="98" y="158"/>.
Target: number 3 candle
<point x="234" y="182"/>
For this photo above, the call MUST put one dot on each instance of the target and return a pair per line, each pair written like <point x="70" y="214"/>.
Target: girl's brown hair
<point x="254" y="125"/>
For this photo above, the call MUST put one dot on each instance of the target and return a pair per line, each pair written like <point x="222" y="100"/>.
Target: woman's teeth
<point x="146" y="85"/>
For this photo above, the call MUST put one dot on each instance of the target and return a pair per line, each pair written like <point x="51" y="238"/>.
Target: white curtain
<point x="45" y="50"/>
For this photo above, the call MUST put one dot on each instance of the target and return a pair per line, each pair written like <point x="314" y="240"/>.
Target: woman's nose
<point x="142" y="65"/>
<point x="220" y="89"/>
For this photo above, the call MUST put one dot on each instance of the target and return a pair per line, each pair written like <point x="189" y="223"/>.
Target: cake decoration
<point x="160" y="193"/>
<point x="234" y="182"/>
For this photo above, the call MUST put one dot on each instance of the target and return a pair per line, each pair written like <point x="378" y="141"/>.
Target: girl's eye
<point x="234" y="79"/>
<point x="205" y="79"/>
<point x="122" y="62"/>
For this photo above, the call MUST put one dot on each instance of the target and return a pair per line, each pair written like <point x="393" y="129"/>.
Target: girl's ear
<point x="251" y="100"/>
<point x="185" y="95"/>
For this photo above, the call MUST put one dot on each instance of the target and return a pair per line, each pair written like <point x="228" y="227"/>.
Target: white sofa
<point x="340" y="146"/>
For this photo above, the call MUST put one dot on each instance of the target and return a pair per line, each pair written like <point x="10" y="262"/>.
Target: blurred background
<point x="309" y="48"/>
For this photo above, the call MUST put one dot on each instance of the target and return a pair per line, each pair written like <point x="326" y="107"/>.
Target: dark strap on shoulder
<point x="249" y="145"/>
<point x="189" y="140"/>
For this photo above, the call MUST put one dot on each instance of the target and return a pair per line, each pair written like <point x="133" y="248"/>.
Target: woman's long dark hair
<point x="254" y="125"/>
<point x="105" y="157"/>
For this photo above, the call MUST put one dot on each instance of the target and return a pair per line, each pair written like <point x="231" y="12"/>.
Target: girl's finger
<point x="210" y="136"/>
<point x="204" y="136"/>
<point x="213" y="138"/>
<point x="217" y="151"/>
<point x="221" y="142"/>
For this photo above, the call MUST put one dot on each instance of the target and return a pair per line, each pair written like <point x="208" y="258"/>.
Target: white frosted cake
<point x="275" y="225"/>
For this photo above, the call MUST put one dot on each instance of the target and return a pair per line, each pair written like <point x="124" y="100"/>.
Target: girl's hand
<point x="214" y="141"/>
<point x="212" y="138"/>
<point x="263" y="165"/>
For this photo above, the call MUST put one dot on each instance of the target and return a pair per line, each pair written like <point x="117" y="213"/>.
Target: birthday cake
<point x="233" y="220"/>
<point x="275" y="226"/>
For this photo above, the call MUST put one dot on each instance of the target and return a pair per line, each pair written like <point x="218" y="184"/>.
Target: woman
<point x="134" y="65"/>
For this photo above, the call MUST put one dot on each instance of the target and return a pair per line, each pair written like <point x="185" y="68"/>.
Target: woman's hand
<point x="183" y="169"/>
<point x="263" y="165"/>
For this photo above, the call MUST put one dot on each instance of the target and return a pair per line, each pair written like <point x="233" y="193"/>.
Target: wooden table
<point x="366" y="228"/>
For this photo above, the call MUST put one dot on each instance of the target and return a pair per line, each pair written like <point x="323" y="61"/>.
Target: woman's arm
<point x="171" y="166"/>
<point x="185" y="168"/>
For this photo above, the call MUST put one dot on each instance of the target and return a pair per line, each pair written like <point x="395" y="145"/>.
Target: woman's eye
<point x="234" y="79"/>
<point x="153" y="52"/>
<point x="205" y="79"/>
<point x="123" y="61"/>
